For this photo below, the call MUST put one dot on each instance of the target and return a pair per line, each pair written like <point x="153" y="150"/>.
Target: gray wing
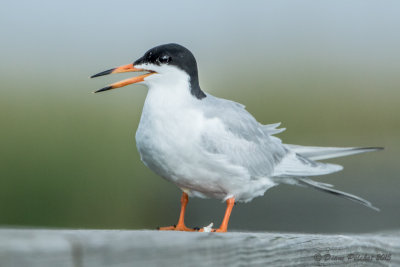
<point x="247" y="143"/>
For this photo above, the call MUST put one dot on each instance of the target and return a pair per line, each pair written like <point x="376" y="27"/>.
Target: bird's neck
<point x="176" y="85"/>
<point x="166" y="96"/>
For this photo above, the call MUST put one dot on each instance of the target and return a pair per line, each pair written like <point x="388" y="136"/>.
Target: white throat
<point x="168" y="80"/>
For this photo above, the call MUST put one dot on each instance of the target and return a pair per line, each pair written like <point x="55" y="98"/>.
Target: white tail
<point x="328" y="189"/>
<point x="320" y="153"/>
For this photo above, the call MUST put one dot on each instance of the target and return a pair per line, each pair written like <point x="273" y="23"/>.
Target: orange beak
<point x="121" y="69"/>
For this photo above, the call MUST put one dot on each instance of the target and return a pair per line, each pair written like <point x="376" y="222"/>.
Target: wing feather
<point x="296" y="165"/>
<point x="247" y="143"/>
<point x="243" y="140"/>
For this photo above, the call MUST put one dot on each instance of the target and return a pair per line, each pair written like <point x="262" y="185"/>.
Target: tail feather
<point x="327" y="188"/>
<point x="320" y="153"/>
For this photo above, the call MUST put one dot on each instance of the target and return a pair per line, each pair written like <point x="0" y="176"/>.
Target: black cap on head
<point x="175" y="55"/>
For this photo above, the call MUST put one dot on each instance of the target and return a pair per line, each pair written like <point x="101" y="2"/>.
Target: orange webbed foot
<point x="177" y="228"/>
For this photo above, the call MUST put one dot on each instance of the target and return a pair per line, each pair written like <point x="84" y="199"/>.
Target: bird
<point x="211" y="147"/>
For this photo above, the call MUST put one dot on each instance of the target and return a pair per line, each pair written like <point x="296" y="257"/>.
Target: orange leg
<point x="181" y="222"/>
<point x="230" y="202"/>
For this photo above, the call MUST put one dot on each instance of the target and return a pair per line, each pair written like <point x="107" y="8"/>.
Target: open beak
<point x="125" y="68"/>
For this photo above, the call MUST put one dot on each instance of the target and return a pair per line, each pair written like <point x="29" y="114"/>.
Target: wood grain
<point x="81" y="248"/>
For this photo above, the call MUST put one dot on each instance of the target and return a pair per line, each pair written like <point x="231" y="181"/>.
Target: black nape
<point x="195" y="89"/>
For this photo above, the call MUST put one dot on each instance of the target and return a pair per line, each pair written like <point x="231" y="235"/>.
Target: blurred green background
<point x="328" y="70"/>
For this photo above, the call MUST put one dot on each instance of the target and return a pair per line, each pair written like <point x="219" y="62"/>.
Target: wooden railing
<point x="81" y="248"/>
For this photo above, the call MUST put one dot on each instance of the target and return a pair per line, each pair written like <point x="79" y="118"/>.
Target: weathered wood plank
<point x="81" y="248"/>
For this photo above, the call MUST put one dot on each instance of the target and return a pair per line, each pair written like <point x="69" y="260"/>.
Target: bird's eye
<point x="164" y="59"/>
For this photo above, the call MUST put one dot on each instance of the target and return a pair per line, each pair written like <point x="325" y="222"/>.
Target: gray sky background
<point x="328" y="70"/>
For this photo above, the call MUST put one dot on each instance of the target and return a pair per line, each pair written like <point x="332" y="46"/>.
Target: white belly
<point x="172" y="148"/>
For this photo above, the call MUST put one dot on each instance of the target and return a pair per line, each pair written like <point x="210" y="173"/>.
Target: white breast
<point x="168" y="132"/>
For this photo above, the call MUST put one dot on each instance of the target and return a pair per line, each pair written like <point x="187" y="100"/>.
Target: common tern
<point x="212" y="147"/>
